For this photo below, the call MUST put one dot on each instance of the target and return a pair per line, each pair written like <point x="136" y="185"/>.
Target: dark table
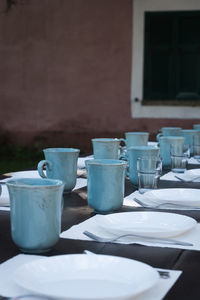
<point x="76" y="210"/>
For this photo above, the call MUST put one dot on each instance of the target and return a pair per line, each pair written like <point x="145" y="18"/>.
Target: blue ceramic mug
<point x="166" y="144"/>
<point x="169" y="131"/>
<point x="196" y="126"/>
<point x="133" y="153"/>
<point x="106" y="148"/>
<point x="136" y="139"/>
<point x="105" y="187"/>
<point x="35" y="210"/>
<point x="61" y="163"/>
<point x="189" y="135"/>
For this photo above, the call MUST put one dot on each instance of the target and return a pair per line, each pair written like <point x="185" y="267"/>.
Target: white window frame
<point x="154" y="111"/>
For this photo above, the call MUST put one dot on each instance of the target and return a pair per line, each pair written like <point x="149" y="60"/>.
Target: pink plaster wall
<point x="65" y="72"/>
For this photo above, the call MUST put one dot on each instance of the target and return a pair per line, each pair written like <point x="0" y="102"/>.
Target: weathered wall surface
<point x="65" y="73"/>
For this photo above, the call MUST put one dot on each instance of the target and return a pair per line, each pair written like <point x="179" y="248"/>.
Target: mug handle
<point x="121" y="150"/>
<point x="41" y="165"/>
<point x="124" y="157"/>
<point x="123" y="140"/>
<point x="158" y="136"/>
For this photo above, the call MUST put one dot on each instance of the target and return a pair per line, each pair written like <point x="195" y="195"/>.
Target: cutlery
<point x="163" y="274"/>
<point x="26" y="297"/>
<point x="166" y="205"/>
<point x="184" y="180"/>
<point x="137" y="236"/>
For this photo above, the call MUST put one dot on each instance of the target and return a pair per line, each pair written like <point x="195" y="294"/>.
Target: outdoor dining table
<point x="76" y="210"/>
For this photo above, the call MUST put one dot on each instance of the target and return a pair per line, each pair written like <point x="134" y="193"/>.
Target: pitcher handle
<point x="41" y="165"/>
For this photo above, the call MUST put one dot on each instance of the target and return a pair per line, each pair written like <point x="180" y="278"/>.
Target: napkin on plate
<point x="186" y="176"/>
<point x="81" y="161"/>
<point x="8" y="288"/>
<point x="146" y="202"/>
<point x="194" y="161"/>
<point x="4" y="197"/>
<point x="91" y="225"/>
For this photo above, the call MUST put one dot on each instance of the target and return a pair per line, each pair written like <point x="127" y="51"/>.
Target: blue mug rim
<point x="175" y="128"/>
<point x="61" y="150"/>
<point x="105" y="140"/>
<point x="137" y="133"/>
<point x="25" y="182"/>
<point x="105" y="162"/>
<point x="144" y="147"/>
<point x="172" y="137"/>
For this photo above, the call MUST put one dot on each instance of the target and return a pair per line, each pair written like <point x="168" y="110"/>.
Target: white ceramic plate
<point x="157" y="224"/>
<point x="83" y="276"/>
<point x="23" y="174"/>
<point x="190" y="197"/>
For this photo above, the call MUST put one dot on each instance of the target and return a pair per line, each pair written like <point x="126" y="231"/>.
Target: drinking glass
<point x="149" y="170"/>
<point x="196" y="146"/>
<point x="179" y="159"/>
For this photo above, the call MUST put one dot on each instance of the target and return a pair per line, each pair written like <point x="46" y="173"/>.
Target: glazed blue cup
<point x="132" y="155"/>
<point x="106" y="148"/>
<point x="105" y="187"/>
<point x="35" y="211"/>
<point x="136" y="139"/>
<point x="169" y="131"/>
<point x="60" y="163"/>
<point x="196" y="126"/>
<point x="189" y="135"/>
<point x="166" y="144"/>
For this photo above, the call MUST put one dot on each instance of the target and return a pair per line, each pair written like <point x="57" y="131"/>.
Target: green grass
<point x="18" y="158"/>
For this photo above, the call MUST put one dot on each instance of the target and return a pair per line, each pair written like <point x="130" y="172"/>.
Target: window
<point x="184" y="103"/>
<point x="172" y="56"/>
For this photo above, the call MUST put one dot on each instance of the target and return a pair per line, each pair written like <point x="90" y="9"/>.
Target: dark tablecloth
<point x="76" y="210"/>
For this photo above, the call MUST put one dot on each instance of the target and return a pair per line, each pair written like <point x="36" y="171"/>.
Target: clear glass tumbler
<point x="179" y="159"/>
<point x="149" y="170"/>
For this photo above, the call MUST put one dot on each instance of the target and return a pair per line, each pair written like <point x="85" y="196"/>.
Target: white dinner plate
<point x="24" y="174"/>
<point x="156" y="224"/>
<point x="190" y="197"/>
<point x="83" y="276"/>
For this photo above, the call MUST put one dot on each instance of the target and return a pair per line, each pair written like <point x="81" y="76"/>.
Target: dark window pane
<point x="172" y="55"/>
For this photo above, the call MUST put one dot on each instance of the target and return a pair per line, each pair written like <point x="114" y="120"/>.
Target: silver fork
<point x="137" y="236"/>
<point x="183" y="180"/>
<point x="165" y="205"/>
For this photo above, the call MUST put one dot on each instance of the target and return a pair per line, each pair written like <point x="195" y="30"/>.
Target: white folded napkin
<point x="8" y="288"/>
<point x="129" y="201"/>
<point x="187" y="175"/>
<point x="193" y="161"/>
<point x="153" y="144"/>
<point x="4" y="198"/>
<point x="81" y="161"/>
<point x="76" y="232"/>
